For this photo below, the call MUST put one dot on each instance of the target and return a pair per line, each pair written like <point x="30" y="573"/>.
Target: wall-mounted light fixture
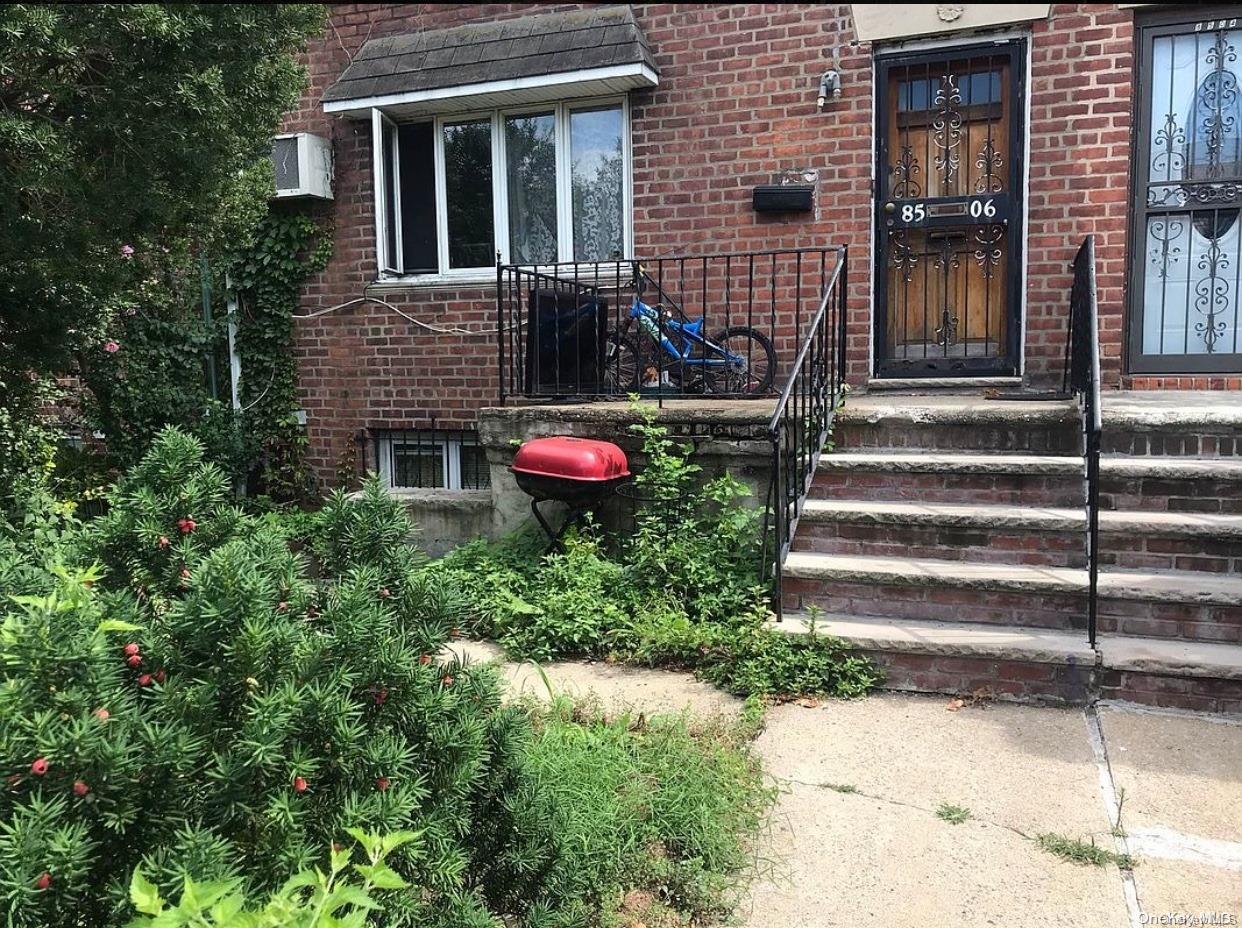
<point x="829" y="88"/>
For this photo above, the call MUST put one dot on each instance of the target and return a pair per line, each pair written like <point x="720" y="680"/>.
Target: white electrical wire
<point x="437" y="329"/>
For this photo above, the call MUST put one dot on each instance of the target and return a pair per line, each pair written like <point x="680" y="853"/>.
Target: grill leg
<point x="575" y="515"/>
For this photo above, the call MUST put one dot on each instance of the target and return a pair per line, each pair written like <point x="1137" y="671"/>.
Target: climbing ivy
<point x="268" y="275"/>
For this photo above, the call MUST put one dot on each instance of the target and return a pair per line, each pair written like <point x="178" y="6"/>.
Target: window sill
<point x="435" y="281"/>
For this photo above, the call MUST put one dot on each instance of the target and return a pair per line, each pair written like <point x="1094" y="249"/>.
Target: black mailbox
<point x="783" y="198"/>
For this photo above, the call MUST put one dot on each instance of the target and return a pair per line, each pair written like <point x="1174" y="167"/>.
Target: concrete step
<point x="1020" y="663"/>
<point x="942" y="385"/>
<point x="942" y="477"/>
<point x="1167" y="604"/>
<point x="1192" y="423"/>
<point x="1171" y="541"/>
<point x="1171" y="484"/>
<point x="958" y="423"/>
<point x="1194" y="675"/>
<point x="992" y="534"/>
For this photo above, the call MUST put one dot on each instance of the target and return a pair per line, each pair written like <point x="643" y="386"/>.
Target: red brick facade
<point x="735" y="105"/>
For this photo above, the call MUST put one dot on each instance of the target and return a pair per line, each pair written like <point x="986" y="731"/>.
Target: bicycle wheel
<point x="755" y="370"/>
<point x="631" y="362"/>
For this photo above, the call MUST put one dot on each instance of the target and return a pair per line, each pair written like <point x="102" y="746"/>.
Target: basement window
<point x="431" y="459"/>
<point x="536" y="185"/>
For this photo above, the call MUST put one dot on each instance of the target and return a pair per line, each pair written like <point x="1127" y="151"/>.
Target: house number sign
<point x="915" y="213"/>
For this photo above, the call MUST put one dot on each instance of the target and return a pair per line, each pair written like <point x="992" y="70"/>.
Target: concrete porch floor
<point x="855" y="838"/>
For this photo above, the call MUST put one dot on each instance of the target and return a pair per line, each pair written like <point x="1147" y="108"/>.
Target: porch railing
<point x="1083" y="380"/>
<point x="802" y="420"/>
<point x="567" y="330"/>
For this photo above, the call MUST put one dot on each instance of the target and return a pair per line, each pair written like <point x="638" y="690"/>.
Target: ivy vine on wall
<point x="267" y="276"/>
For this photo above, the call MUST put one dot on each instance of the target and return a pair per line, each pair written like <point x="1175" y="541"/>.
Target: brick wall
<point x="735" y="105"/>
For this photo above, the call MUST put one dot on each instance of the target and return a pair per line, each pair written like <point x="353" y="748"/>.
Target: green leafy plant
<point x="680" y="591"/>
<point x="1083" y="852"/>
<point x="953" y="814"/>
<point x="340" y="897"/>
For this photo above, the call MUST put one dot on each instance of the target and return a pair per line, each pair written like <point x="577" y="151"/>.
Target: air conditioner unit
<point x="303" y="166"/>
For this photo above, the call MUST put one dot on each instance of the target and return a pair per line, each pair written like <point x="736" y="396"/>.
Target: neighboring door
<point x="949" y="212"/>
<point x="1187" y="255"/>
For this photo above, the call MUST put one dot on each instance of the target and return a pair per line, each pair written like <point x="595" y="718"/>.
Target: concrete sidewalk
<point x="855" y="838"/>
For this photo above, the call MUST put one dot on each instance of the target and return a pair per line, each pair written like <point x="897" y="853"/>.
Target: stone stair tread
<point x="1168" y="657"/>
<point x="955" y="409"/>
<point x="963" y="515"/>
<point x="933" y="571"/>
<point x="989" y="516"/>
<point x="940" y="462"/>
<point x="1171" y="467"/>
<point x="953" y="639"/>
<point x="1157" y="586"/>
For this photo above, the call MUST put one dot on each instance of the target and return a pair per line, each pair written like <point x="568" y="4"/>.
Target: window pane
<point x="418" y="198"/>
<point x="530" y="149"/>
<point x="475" y="474"/>
<point x="468" y="188"/>
<point x="417" y="465"/>
<point x="596" y="152"/>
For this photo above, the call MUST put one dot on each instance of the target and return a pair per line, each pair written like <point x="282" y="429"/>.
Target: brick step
<point x="958" y="423"/>
<point x="1172" y="604"/>
<point x="937" y="477"/>
<point x="1038" y="665"/>
<point x="1205" y="425"/>
<point x="1171" y="674"/>
<point x="1167" y="541"/>
<point x="1012" y="663"/>
<point x="949" y="531"/>
<point x="1171" y="484"/>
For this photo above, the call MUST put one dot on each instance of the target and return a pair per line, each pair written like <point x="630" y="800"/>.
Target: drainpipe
<point x="234" y="357"/>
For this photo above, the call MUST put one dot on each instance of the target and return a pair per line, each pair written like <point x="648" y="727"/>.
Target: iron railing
<point x="1082" y="379"/>
<point x="802" y="420"/>
<point x="567" y="330"/>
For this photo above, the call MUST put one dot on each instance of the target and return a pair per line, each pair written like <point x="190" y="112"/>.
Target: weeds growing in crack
<point x="1083" y="852"/>
<point x="952" y="814"/>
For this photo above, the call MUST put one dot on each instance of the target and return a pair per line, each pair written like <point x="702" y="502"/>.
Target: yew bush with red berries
<point x="203" y="703"/>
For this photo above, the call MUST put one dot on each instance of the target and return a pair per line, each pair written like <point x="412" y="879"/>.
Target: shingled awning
<point x="507" y="63"/>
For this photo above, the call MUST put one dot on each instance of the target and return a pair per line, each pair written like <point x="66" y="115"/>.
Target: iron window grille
<point x="431" y="459"/>
<point x="1185" y="291"/>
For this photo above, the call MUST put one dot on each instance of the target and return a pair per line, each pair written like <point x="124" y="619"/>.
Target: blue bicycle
<point x="669" y="350"/>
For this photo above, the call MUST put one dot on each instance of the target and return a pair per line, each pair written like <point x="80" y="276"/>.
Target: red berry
<point x="44" y="881"/>
<point x="134" y="660"/>
<point x="80" y="788"/>
<point x="160" y="676"/>
<point x="185" y="573"/>
<point x="425" y="660"/>
<point x="282" y="606"/>
<point x="144" y="680"/>
<point x="447" y="680"/>
<point x="300" y="785"/>
<point x="186" y="525"/>
<point x="103" y="714"/>
<point x="384" y="592"/>
<point x="164" y="542"/>
<point x="381" y="783"/>
<point x="39" y="767"/>
<point x="131" y="649"/>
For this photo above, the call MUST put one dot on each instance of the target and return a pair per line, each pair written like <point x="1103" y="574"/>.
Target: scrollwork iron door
<point x="1186" y="263"/>
<point x="949" y="212"/>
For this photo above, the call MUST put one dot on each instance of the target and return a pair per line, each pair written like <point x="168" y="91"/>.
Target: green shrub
<point x="682" y="590"/>
<point x="231" y="722"/>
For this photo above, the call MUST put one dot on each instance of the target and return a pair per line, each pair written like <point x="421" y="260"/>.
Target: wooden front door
<point x="949" y="212"/>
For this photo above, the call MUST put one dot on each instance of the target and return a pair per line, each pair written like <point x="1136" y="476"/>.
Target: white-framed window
<point x="431" y="459"/>
<point x="538" y="184"/>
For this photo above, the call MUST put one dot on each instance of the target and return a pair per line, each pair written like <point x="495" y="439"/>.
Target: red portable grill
<point x="578" y="472"/>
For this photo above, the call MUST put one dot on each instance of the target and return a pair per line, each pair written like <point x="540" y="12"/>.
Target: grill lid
<point x="571" y="459"/>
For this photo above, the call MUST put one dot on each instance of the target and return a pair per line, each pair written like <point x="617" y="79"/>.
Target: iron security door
<point x="949" y="212"/>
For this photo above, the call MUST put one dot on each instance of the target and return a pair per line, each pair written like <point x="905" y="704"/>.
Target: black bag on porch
<point x="565" y="334"/>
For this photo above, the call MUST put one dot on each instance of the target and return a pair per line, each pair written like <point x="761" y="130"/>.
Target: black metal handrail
<point x="565" y="330"/>
<point x="802" y="420"/>
<point x="1082" y="375"/>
